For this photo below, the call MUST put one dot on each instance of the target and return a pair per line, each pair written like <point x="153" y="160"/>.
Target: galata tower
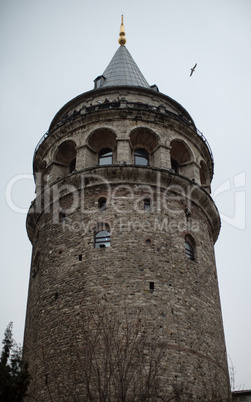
<point x="123" y="300"/>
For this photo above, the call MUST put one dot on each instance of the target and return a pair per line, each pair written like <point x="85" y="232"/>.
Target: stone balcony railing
<point x="123" y="104"/>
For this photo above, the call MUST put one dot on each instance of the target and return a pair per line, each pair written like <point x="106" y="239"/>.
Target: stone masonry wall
<point x="146" y="246"/>
<point x="144" y="271"/>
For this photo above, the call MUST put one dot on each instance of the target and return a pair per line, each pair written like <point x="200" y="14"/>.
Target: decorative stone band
<point x="158" y="179"/>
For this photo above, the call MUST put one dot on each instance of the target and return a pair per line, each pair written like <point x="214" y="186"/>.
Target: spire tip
<point x="122" y="39"/>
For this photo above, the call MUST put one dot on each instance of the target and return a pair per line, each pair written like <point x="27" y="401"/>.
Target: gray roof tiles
<point x="122" y="70"/>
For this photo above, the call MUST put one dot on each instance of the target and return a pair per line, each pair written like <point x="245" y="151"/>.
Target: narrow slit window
<point x="62" y="217"/>
<point x="151" y="287"/>
<point x="147" y="204"/>
<point x="102" y="204"/>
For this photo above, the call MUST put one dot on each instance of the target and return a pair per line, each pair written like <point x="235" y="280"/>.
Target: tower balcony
<point x="114" y="120"/>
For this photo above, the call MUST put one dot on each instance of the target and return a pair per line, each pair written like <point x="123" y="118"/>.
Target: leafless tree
<point x="114" y="357"/>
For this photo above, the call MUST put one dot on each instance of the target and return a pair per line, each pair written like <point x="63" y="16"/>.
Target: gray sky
<point x="52" y="50"/>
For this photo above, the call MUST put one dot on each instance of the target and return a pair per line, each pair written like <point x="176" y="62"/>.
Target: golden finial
<point x="122" y="39"/>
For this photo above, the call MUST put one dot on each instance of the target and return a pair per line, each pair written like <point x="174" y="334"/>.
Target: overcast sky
<point x="52" y="50"/>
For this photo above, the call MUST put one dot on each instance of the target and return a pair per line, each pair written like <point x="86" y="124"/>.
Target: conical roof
<point x="122" y="70"/>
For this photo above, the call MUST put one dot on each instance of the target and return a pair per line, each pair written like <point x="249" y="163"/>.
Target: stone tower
<point x="123" y="230"/>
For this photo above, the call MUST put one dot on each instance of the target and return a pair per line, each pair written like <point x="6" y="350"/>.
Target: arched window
<point x="102" y="204"/>
<point x="102" y="239"/>
<point x="147" y="204"/>
<point x="66" y="157"/>
<point x="189" y="248"/>
<point x="105" y="156"/>
<point x="141" y="157"/>
<point x="181" y="158"/>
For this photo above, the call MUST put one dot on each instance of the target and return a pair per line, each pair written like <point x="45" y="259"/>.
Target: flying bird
<point x="193" y="69"/>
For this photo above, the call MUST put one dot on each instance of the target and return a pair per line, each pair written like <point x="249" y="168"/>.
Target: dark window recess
<point x="80" y="257"/>
<point x="148" y="241"/>
<point x="62" y="217"/>
<point x="147" y="204"/>
<point x="102" y="204"/>
<point x="188" y="214"/>
<point x="105" y="157"/>
<point x="175" y="165"/>
<point x="141" y="157"/>
<point x="72" y="165"/>
<point x="56" y="295"/>
<point x="46" y="379"/>
<point x="151" y="287"/>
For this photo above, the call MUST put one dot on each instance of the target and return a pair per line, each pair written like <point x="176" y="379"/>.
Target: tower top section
<point x="122" y="39"/>
<point x="122" y="69"/>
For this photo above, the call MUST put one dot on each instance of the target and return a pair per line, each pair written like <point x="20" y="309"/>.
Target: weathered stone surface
<point x="69" y="275"/>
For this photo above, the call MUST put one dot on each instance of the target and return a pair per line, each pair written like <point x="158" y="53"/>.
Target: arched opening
<point x="102" y="239"/>
<point x="102" y="138"/>
<point x="144" y="142"/>
<point x="145" y="138"/>
<point x="181" y="155"/>
<point x="141" y="157"/>
<point x="189" y="247"/>
<point x="65" y="158"/>
<point x="105" y="157"/>
<point x="102" y="146"/>
<point x="102" y="236"/>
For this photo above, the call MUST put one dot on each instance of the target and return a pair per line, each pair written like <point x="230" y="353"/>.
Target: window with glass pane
<point x="141" y="157"/>
<point x="102" y="239"/>
<point x="189" y="251"/>
<point x="105" y="157"/>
